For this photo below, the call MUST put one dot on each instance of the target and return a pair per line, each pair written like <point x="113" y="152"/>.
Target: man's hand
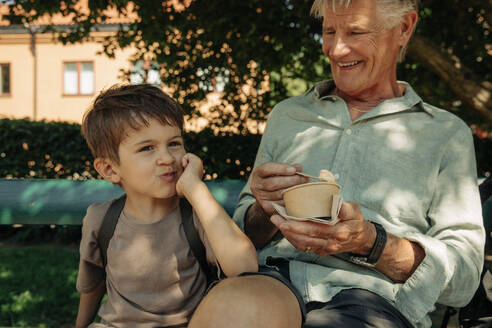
<point x="351" y="234"/>
<point x="270" y="179"/>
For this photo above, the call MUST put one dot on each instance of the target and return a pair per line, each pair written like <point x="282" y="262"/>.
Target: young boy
<point x="151" y="277"/>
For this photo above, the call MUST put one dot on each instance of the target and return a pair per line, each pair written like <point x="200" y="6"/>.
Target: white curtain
<point x="87" y="79"/>
<point x="70" y="79"/>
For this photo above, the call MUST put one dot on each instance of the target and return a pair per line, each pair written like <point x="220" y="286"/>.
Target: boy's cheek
<point x="179" y="172"/>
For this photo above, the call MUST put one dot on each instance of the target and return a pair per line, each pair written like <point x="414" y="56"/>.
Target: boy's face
<point x="150" y="161"/>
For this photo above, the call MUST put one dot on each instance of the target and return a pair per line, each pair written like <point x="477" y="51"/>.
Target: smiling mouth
<point x="350" y="64"/>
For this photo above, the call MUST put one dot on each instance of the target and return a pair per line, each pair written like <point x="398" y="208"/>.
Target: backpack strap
<point x="108" y="225"/>
<point x="111" y="219"/>
<point x="194" y="240"/>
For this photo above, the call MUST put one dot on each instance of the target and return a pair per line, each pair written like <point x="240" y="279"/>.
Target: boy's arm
<point x="233" y="250"/>
<point x="89" y="304"/>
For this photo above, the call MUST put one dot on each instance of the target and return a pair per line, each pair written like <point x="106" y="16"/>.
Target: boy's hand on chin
<point x="192" y="173"/>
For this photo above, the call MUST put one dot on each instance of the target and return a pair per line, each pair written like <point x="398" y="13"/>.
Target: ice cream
<point x="327" y="176"/>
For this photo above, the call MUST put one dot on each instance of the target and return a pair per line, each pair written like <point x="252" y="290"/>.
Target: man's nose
<point x="339" y="47"/>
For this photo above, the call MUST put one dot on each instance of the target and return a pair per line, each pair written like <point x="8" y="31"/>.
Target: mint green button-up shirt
<point x="411" y="167"/>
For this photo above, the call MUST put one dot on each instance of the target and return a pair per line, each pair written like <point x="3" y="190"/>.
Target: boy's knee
<point x="248" y="301"/>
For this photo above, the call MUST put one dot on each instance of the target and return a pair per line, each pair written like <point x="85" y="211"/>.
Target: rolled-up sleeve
<point x="454" y="244"/>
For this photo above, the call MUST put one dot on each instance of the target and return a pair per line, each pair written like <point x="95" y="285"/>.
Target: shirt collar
<point x="410" y="101"/>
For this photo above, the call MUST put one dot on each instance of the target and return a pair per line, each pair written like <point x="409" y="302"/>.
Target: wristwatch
<point x="376" y="250"/>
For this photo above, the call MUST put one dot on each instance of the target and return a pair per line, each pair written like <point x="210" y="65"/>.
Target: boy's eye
<point x="146" y="148"/>
<point x="175" y="144"/>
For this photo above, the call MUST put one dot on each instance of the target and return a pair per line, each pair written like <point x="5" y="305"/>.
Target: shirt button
<point x="348" y="131"/>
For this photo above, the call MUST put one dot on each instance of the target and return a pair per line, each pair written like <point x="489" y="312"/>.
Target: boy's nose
<point x="165" y="158"/>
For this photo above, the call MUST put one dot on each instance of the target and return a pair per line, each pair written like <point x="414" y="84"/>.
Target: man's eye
<point x="146" y="148"/>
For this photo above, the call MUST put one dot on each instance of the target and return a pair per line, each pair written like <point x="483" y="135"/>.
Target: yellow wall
<point x="51" y="104"/>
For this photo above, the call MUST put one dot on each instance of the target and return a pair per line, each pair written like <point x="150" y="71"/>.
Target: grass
<point x="37" y="286"/>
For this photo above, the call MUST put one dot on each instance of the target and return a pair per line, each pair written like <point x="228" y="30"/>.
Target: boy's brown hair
<point x="115" y="110"/>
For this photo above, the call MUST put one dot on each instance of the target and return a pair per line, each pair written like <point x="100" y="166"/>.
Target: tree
<point x="264" y="51"/>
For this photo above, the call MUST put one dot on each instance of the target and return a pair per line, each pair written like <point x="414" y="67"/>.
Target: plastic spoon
<point x="311" y="176"/>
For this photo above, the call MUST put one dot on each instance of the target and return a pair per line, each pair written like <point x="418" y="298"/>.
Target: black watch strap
<point x="378" y="246"/>
<point x="376" y="250"/>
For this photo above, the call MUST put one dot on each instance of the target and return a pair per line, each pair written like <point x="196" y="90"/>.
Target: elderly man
<point x="411" y="234"/>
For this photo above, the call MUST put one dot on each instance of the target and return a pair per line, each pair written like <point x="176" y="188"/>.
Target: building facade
<point x="40" y="78"/>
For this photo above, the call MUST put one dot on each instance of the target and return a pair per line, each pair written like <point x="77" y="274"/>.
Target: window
<point x="4" y="79"/>
<point x="212" y="80"/>
<point x="144" y="71"/>
<point x="78" y="78"/>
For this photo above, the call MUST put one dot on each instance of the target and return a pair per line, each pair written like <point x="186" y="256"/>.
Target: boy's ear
<point x="107" y="169"/>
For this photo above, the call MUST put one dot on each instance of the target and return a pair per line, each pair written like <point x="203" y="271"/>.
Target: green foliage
<point x="273" y="47"/>
<point x="38" y="286"/>
<point x="35" y="234"/>
<point x="460" y="29"/>
<point x="57" y="150"/>
<point x="31" y="149"/>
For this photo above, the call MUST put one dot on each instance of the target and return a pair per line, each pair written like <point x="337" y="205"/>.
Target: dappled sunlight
<point x="400" y="141"/>
<point x="5" y="274"/>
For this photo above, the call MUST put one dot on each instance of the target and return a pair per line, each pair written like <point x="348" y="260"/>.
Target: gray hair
<point x="390" y="11"/>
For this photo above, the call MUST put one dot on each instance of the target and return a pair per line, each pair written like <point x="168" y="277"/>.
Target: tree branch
<point x="467" y="87"/>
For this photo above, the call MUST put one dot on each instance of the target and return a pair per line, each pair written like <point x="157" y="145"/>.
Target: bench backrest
<point x="64" y="202"/>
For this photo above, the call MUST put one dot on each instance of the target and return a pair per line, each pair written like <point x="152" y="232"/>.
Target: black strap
<point x="109" y="223"/>
<point x="111" y="219"/>
<point x="194" y="240"/>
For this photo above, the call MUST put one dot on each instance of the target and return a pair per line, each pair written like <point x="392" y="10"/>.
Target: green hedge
<point x="57" y="150"/>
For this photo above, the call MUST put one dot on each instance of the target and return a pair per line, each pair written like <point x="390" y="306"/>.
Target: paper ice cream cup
<point x="310" y="200"/>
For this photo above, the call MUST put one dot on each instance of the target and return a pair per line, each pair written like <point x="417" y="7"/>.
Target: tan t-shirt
<point x="153" y="279"/>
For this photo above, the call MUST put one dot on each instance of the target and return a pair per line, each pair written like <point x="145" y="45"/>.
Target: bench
<point x="64" y="202"/>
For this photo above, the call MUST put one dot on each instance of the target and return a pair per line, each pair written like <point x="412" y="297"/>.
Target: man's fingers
<point x="303" y="228"/>
<point x="266" y="170"/>
<point x="350" y="211"/>
<point x="278" y="183"/>
<point x="305" y="236"/>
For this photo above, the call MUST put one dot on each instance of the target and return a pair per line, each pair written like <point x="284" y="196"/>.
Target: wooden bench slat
<point x="64" y="202"/>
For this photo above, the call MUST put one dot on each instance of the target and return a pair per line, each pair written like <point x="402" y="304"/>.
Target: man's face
<point x="150" y="161"/>
<point x="362" y="53"/>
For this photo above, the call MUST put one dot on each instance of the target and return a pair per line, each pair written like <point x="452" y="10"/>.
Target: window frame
<point x="78" y="64"/>
<point x="9" y="65"/>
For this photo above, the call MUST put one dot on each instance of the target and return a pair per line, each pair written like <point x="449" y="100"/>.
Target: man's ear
<point x="407" y="26"/>
<point x="107" y="169"/>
